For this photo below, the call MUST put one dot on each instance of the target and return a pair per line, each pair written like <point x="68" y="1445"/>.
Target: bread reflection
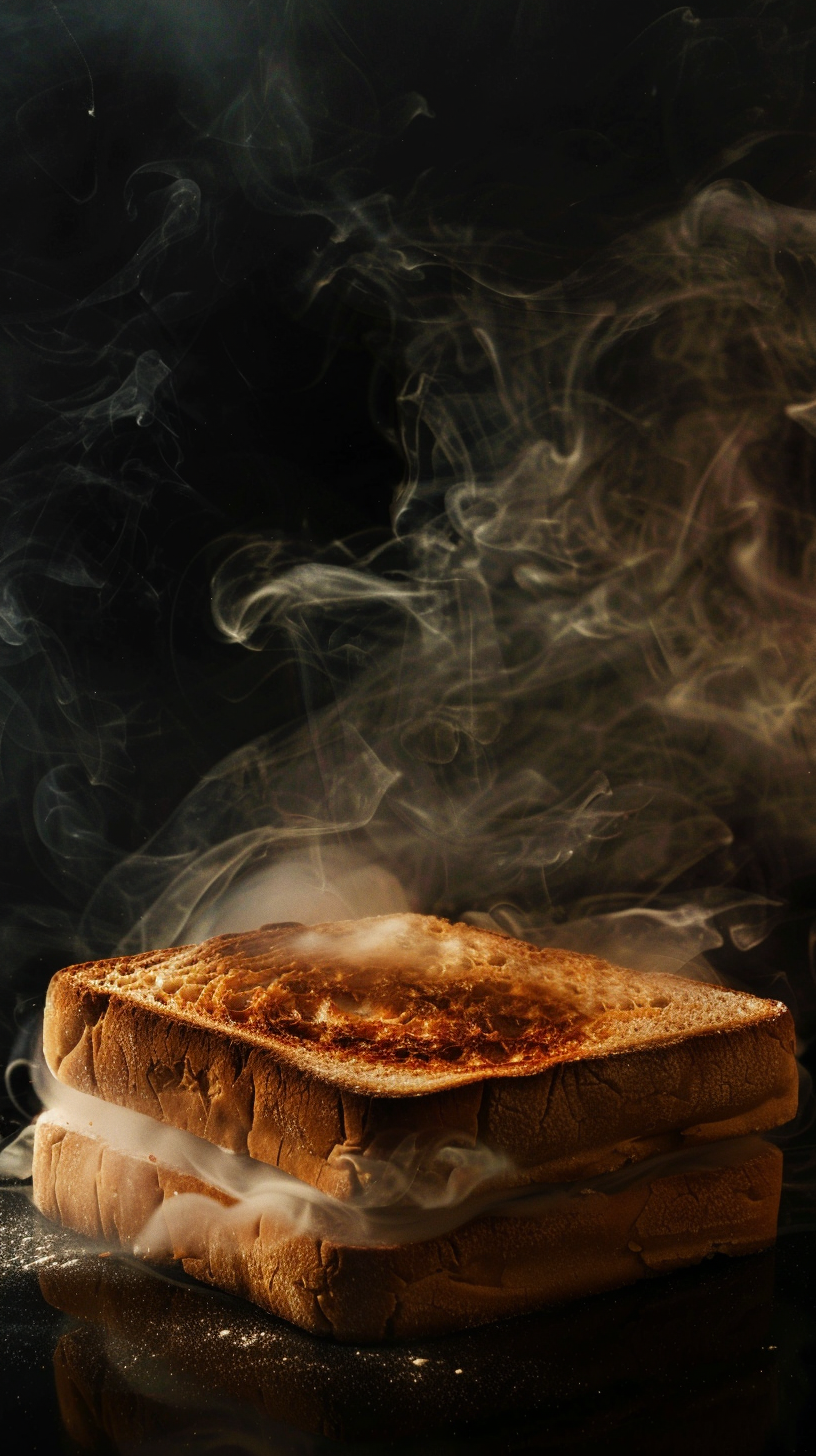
<point x="677" y="1365"/>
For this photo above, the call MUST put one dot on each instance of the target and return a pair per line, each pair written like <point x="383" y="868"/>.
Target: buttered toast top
<point x="299" y="1044"/>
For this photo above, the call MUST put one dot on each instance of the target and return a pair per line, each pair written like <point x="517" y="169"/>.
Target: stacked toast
<point x="389" y="1128"/>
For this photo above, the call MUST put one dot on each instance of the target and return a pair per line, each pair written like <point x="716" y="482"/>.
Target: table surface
<point x="101" y="1354"/>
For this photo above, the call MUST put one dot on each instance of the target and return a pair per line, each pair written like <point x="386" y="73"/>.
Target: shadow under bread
<point x="675" y="1365"/>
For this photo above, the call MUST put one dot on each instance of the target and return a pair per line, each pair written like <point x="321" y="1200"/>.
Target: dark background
<point x="566" y="125"/>
<point x="571" y="122"/>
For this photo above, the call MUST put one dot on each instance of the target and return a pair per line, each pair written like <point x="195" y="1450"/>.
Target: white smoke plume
<point x="584" y="655"/>
<point x="570" y="692"/>
<point x="418" y="1190"/>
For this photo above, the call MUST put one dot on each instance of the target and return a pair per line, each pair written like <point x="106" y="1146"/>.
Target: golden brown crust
<point x="485" y="1270"/>
<point x="575" y="1118"/>
<point x="402" y="1005"/>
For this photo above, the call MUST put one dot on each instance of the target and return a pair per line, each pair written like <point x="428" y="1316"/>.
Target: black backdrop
<point x="272" y="415"/>
<point x="570" y="121"/>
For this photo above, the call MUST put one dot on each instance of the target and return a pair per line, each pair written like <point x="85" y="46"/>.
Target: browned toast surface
<point x="407" y="1004"/>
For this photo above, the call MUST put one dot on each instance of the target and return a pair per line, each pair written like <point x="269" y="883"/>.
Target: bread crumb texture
<point x="416" y="996"/>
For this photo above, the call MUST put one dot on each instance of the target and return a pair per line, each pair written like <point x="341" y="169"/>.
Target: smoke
<point x="568" y="691"/>
<point x="411" y="1190"/>
<point x="566" y="688"/>
<point x="326" y="886"/>
<point x="417" y="1190"/>
<point x="190" y="1220"/>
<point x="576" y="681"/>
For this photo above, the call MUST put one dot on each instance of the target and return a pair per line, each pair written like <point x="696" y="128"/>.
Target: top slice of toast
<point x="400" y="1005"/>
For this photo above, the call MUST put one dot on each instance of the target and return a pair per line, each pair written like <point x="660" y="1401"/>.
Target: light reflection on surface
<point x="143" y="1363"/>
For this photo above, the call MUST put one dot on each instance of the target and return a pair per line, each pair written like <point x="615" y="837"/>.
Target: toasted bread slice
<point x="303" y="1046"/>
<point x="572" y="1244"/>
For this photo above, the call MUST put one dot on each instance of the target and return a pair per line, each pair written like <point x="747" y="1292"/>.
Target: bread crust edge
<point x="491" y="1268"/>
<point x="576" y="1118"/>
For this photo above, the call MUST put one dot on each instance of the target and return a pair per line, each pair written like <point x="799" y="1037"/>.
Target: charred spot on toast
<point x="414" y="995"/>
<point x="368" y="1013"/>
<point x="408" y="991"/>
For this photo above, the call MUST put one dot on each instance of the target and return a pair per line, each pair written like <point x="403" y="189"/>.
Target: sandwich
<point x="396" y="1127"/>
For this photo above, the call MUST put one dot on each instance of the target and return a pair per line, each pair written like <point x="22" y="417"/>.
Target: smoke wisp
<point x="569" y="691"/>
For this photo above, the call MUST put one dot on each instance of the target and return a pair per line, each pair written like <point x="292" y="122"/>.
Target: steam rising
<point x="586" y="647"/>
<point x="418" y="1190"/>
<point x="571" y="693"/>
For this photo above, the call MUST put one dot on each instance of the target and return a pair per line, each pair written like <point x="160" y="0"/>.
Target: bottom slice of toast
<point x="662" y="1340"/>
<point x="577" y="1242"/>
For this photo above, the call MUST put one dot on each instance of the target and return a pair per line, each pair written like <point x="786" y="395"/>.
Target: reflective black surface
<point x="100" y="1354"/>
